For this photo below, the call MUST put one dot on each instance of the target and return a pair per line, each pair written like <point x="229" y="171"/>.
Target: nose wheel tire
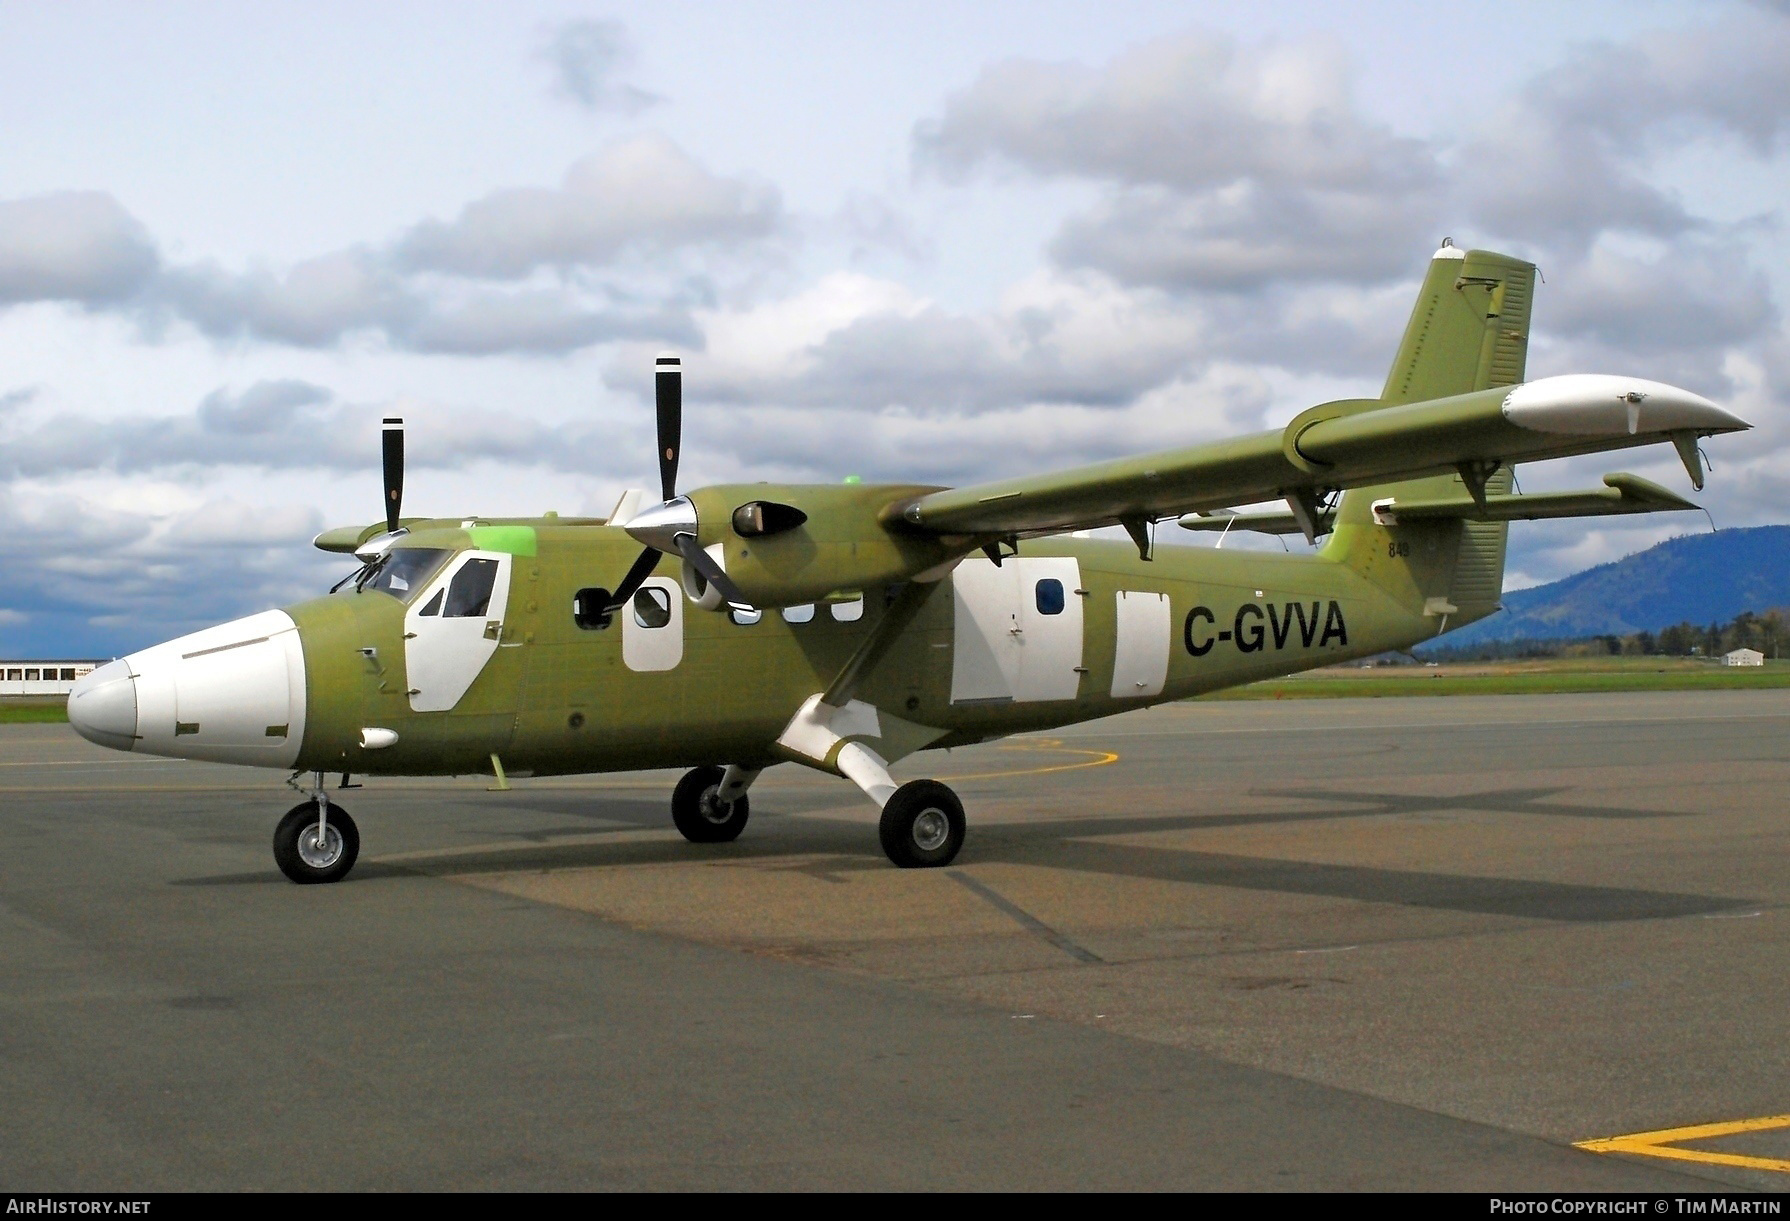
<point x="922" y="825"/>
<point x="308" y="857"/>
<point x="700" y="815"/>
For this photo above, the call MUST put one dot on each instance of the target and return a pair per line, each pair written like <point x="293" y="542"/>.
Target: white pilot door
<point x="452" y="629"/>
<point x="1018" y="630"/>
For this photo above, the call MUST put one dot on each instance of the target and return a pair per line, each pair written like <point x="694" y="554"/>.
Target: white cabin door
<point x="985" y="639"/>
<point x="1017" y="630"/>
<point x="1141" y="644"/>
<point x="451" y="630"/>
<point x="1050" y="619"/>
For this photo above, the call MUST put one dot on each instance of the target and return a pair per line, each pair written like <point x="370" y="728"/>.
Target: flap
<point x="1263" y="521"/>
<point x="1620" y="494"/>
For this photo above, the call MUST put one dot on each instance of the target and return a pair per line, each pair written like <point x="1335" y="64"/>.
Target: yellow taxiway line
<point x="1664" y="1143"/>
<point x="1096" y="758"/>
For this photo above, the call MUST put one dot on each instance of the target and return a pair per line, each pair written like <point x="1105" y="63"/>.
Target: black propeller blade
<point x="668" y="385"/>
<point x="711" y="572"/>
<point x="393" y="446"/>
<point x="643" y="568"/>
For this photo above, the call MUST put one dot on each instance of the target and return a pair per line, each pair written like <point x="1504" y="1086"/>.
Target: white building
<point x="42" y="677"/>
<point x="1744" y="657"/>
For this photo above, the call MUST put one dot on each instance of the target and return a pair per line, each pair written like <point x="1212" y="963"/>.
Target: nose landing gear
<point x="316" y="841"/>
<point x="709" y="806"/>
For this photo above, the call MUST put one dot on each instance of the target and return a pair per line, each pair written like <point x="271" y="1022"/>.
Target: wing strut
<point x="899" y="614"/>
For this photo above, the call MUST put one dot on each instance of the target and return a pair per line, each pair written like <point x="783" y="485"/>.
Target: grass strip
<point x="32" y="710"/>
<point x="1540" y="682"/>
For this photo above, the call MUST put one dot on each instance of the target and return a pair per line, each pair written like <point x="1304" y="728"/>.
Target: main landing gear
<point x="316" y="841"/>
<point x="922" y="824"/>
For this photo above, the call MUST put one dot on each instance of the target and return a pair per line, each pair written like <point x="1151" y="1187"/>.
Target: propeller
<point x="670" y="527"/>
<point x="392" y="444"/>
<point x="371" y="552"/>
<point x="668" y="395"/>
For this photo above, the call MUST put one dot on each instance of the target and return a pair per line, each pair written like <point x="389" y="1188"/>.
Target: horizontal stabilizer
<point x="1621" y="494"/>
<point x="1266" y="521"/>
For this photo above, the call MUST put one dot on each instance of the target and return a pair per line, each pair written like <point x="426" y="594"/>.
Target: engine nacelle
<point x="786" y="544"/>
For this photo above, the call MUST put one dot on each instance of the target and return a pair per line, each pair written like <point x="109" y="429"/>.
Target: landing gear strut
<point x="316" y="841"/>
<point x="922" y="825"/>
<point x="710" y="806"/>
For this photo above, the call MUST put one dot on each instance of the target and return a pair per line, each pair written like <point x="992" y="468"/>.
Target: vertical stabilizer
<point x="1469" y="330"/>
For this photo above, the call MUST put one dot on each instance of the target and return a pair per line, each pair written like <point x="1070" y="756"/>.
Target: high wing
<point x="1453" y="403"/>
<point x="1357" y="446"/>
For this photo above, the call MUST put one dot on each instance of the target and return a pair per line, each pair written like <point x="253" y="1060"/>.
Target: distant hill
<point x="1702" y="578"/>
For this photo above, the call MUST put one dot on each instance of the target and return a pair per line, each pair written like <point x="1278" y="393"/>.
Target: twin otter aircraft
<point x="844" y="627"/>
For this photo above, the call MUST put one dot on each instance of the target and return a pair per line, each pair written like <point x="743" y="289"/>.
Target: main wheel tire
<point x="922" y="825"/>
<point x="305" y="859"/>
<point x="700" y="816"/>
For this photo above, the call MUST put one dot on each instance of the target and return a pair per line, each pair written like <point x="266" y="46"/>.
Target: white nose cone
<point x="234" y="693"/>
<point x="103" y="706"/>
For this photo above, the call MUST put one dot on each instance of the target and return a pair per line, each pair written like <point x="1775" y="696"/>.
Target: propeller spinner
<point x="670" y="527"/>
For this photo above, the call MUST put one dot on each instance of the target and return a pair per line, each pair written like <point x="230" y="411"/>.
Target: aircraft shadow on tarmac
<point x="1082" y="845"/>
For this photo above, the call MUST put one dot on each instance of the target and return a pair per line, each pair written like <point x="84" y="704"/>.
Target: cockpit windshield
<point x="401" y="572"/>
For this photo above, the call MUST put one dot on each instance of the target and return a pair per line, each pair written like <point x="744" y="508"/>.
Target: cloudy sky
<point x="938" y="242"/>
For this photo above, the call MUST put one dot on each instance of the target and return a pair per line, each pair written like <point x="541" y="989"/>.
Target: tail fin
<point x="1468" y="331"/>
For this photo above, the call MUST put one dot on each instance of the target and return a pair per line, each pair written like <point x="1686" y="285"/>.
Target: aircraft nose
<point x="234" y="693"/>
<point x="103" y="706"/>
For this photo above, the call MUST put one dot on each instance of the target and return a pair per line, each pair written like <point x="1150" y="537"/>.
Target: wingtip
<point x="1601" y="404"/>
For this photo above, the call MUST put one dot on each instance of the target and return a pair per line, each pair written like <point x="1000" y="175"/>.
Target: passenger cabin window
<point x="68" y="675"/>
<point x="745" y="618"/>
<point x="1049" y="595"/>
<point x="590" y="609"/>
<point x="652" y="607"/>
<point x="469" y="593"/>
<point x="848" y="612"/>
<point x="799" y="614"/>
<point x="31" y="676"/>
<point x="15" y="676"/>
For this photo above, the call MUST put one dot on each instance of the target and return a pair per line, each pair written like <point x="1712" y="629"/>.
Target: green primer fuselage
<point x="556" y="698"/>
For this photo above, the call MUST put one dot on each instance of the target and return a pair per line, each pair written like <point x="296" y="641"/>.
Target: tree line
<point x="1768" y="632"/>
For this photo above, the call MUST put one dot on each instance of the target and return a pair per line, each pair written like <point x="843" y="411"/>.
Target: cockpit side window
<point x="469" y="594"/>
<point x="404" y="571"/>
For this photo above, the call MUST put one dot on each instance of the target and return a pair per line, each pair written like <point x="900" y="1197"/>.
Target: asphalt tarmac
<point x="1381" y="944"/>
